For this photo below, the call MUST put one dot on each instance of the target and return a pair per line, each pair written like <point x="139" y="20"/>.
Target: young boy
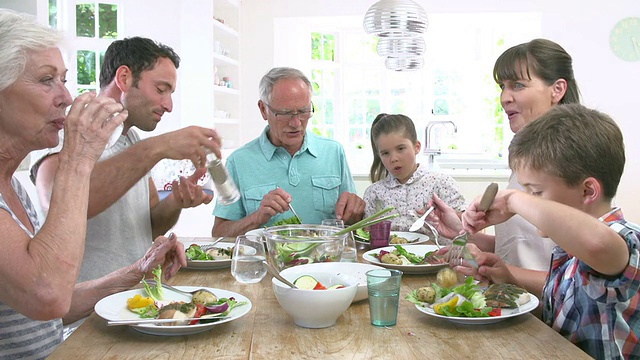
<point x="570" y="162"/>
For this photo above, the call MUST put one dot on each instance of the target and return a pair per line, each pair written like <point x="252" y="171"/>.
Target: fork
<point x="169" y="287"/>
<point x="458" y="252"/>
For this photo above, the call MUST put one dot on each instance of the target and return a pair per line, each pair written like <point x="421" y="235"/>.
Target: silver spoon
<point x="273" y="271"/>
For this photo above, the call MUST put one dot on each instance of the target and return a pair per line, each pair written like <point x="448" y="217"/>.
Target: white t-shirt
<point x="518" y="242"/>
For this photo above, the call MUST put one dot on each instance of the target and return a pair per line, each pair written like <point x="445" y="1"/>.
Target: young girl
<point x="397" y="179"/>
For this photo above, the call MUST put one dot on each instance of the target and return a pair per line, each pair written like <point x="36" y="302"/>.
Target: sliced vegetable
<point x="200" y="310"/>
<point x="139" y="301"/>
<point x="338" y="286"/>
<point x="306" y="282"/>
<point x="217" y="308"/>
<point x="319" y="286"/>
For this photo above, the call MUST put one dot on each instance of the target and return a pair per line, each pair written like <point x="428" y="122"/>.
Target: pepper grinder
<point x="225" y="186"/>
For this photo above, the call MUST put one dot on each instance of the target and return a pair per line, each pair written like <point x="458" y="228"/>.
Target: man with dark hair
<point x="125" y="212"/>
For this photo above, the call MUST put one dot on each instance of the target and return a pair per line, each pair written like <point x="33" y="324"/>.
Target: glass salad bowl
<point x="298" y="244"/>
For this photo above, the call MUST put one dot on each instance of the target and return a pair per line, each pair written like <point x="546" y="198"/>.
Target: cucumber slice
<point x="337" y="286"/>
<point x="306" y="282"/>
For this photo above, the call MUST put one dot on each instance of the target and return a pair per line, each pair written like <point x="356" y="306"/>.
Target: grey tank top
<point x="121" y="234"/>
<point x="21" y="337"/>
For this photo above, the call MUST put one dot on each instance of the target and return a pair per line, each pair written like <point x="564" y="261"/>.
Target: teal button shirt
<point x="315" y="176"/>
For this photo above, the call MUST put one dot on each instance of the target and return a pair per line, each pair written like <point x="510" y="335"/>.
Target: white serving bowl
<point x="315" y="308"/>
<point x="357" y="270"/>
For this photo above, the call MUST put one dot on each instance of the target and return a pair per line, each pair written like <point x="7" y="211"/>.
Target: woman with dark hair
<point x="534" y="77"/>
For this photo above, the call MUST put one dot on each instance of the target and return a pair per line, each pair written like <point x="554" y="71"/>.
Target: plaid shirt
<point x="599" y="314"/>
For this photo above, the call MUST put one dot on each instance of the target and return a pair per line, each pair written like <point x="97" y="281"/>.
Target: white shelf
<point x="226" y="38"/>
<point x="225" y="59"/>
<point x="225" y="90"/>
<point x="225" y="28"/>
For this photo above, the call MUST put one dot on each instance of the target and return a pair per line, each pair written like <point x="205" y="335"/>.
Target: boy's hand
<point x="475" y="220"/>
<point x="490" y="267"/>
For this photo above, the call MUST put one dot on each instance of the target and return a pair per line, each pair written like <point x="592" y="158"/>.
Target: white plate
<point x="357" y="270"/>
<point x="209" y="264"/>
<point x="506" y="313"/>
<point x="419" y="250"/>
<point x="114" y="307"/>
<point x="414" y="238"/>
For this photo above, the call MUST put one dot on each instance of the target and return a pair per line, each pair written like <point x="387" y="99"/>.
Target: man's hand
<point x="350" y="208"/>
<point x="191" y="143"/>
<point x="168" y="252"/>
<point x="187" y="193"/>
<point x="275" y="202"/>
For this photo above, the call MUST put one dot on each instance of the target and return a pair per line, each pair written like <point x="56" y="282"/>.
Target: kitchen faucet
<point x="432" y="152"/>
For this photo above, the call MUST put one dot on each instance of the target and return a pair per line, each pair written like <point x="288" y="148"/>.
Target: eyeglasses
<point x="301" y="114"/>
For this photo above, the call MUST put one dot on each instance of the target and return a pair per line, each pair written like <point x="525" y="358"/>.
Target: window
<point x="351" y="85"/>
<point x="95" y="25"/>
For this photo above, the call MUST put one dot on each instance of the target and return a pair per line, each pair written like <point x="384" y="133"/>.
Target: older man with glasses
<point x="286" y="164"/>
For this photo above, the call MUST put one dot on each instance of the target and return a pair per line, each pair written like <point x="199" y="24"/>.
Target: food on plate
<point x="362" y="235"/>
<point x="203" y="302"/>
<point x="139" y="301"/>
<point x="400" y="256"/>
<point x="308" y="282"/>
<point x="446" y="278"/>
<point x="391" y="258"/>
<point x="204" y="297"/>
<point x="465" y="300"/>
<point x="395" y="239"/>
<point x="506" y="296"/>
<point x="195" y="252"/>
<point x="426" y="294"/>
<point x="468" y="299"/>
<point x="292" y="220"/>
<point x="178" y="311"/>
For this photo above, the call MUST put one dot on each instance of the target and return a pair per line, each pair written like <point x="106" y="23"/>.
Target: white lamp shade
<point x="404" y="63"/>
<point x="396" y="19"/>
<point x="401" y="47"/>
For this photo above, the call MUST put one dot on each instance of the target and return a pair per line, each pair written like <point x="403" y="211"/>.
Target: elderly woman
<point x="40" y="261"/>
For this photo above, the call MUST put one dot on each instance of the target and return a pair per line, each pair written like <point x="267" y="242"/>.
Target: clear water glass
<point x="349" y="250"/>
<point x="247" y="258"/>
<point x="383" y="286"/>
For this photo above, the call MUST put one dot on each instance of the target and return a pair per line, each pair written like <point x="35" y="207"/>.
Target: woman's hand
<point x="168" y="252"/>
<point x="89" y="125"/>
<point x="443" y="218"/>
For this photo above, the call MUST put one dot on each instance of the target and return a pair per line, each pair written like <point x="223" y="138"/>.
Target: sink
<point x="469" y="163"/>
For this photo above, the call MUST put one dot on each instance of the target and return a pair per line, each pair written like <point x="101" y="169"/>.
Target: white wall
<point x="582" y="27"/>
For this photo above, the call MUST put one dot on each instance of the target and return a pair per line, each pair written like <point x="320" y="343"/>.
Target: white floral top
<point x="413" y="195"/>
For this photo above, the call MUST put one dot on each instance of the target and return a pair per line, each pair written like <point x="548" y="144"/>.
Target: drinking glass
<point x="379" y="234"/>
<point x="349" y="250"/>
<point x="383" y="286"/>
<point x="246" y="262"/>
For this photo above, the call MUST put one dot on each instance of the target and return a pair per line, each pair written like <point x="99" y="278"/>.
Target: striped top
<point x="600" y="314"/>
<point x="21" y="337"/>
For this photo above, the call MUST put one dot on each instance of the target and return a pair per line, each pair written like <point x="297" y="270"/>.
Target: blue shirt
<point x="315" y="176"/>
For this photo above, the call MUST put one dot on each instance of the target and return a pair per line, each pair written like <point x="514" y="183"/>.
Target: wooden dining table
<point x="268" y="332"/>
